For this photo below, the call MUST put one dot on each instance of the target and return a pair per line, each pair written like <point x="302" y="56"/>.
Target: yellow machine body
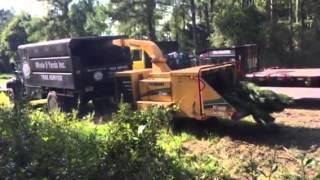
<point x="191" y="89"/>
<point x="185" y="88"/>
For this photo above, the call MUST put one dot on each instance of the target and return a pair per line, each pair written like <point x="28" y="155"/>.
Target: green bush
<point x="4" y="100"/>
<point x="37" y="145"/>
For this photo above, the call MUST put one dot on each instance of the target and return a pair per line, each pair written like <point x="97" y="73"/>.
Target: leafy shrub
<point x="37" y="145"/>
<point x="132" y="149"/>
<point x="4" y="100"/>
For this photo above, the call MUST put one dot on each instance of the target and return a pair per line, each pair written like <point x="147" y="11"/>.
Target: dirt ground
<point x="237" y="144"/>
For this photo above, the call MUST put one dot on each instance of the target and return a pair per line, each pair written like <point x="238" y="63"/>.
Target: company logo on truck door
<point x="49" y="65"/>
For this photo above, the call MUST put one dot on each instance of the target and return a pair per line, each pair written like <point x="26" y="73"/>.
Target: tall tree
<point x="67" y="18"/>
<point x="194" y="25"/>
<point x="14" y="34"/>
<point x="136" y="17"/>
<point x="59" y="24"/>
<point x="78" y="17"/>
<point x="5" y="17"/>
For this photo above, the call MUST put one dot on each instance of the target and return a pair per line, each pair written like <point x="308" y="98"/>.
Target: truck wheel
<point x="52" y="101"/>
<point x="15" y="90"/>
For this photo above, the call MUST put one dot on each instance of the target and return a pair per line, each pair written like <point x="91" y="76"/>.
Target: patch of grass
<point x="38" y="102"/>
<point x="5" y="77"/>
<point x="172" y="144"/>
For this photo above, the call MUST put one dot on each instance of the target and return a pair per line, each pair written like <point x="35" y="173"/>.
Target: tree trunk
<point x="194" y="28"/>
<point x="297" y="11"/>
<point x="302" y="15"/>
<point x="151" y="5"/>
<point x="207" y="19"/>
<point x="271" y="10"/>
<point x="176" y="24"/>
<point x="183" y="17"/>
<point x="211" y="10"/>
<point x="291" y="40"/>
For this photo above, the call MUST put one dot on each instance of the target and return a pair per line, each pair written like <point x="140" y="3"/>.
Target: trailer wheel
<point x="52" y="101"/>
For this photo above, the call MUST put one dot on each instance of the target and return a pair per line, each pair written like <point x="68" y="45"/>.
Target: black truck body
<point x="74" y="67"/>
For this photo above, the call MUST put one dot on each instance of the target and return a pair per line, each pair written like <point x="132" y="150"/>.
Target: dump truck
<point x="71" y="72"/>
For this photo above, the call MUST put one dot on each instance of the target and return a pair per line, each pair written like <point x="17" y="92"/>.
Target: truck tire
<point x="52" y="101"/>
<point x="15" y="90"/>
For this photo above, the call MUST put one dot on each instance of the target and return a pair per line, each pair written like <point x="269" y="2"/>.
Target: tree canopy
<point x="286" y="31"/>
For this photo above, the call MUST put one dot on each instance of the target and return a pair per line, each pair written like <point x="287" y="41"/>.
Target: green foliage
<point x="13" y="35"/>
<point x="36" y="30"/>
<point x="235" y="25"/>
<point x="4" y="78"/>
<point x="6" y="16"/>
<point x="259" y="103"/>
<point x="305" y="163"/>
<point x="251" y="167"/>
<point x="135" y="18"/>
<point x="97" y="21"/>
<point x="37" y="145"/>
<point x="4" y="100"/>
<point x="255" y="169"/>
<point x="133" y="146"/>
<point x="65" y="19"/>
<point x="73" y="19"/>
<point x="20" y="30"/>
<point x="285" y="31"/>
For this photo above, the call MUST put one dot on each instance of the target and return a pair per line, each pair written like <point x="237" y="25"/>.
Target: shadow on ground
<point x="313" y="104"/>
<point x="275" y="135"/>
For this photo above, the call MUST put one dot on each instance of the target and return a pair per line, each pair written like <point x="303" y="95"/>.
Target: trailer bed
<point x="297" y="93"/>
<point x="309" y="77"/>
<point x="310" y="72"/>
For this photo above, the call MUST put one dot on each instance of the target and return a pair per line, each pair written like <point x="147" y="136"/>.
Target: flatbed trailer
<point x="299" y="78"/>
<point x="246" y="58"/>
<point x="299" y="83"/>
<point x="297" y="93"/>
